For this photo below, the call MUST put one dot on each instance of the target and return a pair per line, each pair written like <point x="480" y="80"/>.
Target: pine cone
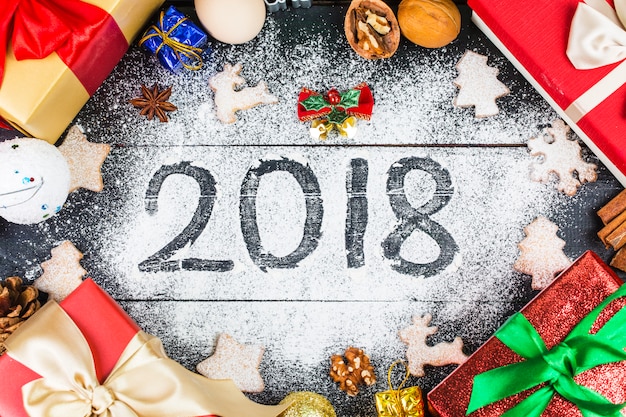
<point x="17" y="303"/>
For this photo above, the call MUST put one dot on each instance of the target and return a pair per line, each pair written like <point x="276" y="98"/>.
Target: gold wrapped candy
<point x="401" y="402"/>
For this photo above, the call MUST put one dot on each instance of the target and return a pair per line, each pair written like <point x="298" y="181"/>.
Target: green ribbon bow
<point x="578" y="352"/>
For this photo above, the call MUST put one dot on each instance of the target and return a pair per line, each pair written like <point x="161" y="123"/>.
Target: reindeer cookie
<point x="228" y="101"/>
<point x="419" y="353"/>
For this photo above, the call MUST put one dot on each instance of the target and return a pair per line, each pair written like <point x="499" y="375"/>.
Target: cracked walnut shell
<point x="372" y="29"/>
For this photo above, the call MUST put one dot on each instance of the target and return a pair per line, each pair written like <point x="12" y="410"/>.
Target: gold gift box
<point x="40" y="97"/>
<point x="401" y="402"/>
<point x="406" y="402"/>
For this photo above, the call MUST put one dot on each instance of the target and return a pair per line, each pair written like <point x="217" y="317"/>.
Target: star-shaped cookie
<point x="84" y="159"/>
<point x="232" y="360"/>
<point x="62" y="273"/>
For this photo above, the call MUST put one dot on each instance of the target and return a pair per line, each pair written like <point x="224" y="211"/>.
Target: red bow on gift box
<point x="37" y="28"/>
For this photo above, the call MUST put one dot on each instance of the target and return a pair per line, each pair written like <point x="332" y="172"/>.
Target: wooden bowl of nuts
<point x="372" y="29"/>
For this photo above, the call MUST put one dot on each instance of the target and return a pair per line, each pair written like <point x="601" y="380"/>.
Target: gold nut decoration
<point x="372" y="29"/>
<point x="17" y="303"/>
<point x="429" y="23"/>
<point x="352" y="371"/>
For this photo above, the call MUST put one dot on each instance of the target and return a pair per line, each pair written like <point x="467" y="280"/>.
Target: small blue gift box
<point x="176" y="41"/>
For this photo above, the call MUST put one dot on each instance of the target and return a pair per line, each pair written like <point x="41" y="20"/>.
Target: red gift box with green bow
<point x="561" y="355"/>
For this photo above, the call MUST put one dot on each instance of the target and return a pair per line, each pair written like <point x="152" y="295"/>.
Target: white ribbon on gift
<point x="597" y="38"/>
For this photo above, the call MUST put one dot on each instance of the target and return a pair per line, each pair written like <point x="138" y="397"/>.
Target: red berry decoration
<point x="335" y="110"/>
<point x="333" y="96"/>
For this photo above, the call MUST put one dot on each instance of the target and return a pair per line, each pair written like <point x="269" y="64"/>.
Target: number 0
<point x="247" y="212"/>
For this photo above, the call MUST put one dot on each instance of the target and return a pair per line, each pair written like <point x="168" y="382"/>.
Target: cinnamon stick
<point x="617" y="238"/>
<point x="613" y="208"/>
<point x="616" y="223"/>
<point x="619" y="260"/>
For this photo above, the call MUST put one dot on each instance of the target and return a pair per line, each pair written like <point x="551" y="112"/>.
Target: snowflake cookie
<point x="561" y="156"/>
<point x="478" y="85"/>
<point x="420" y="354"/>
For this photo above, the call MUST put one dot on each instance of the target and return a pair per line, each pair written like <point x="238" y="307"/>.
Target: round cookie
<point x="34" y="180"/>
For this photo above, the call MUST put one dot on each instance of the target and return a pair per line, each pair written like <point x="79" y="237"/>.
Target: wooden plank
<point x="350" y="278"/>
<point x="300" y="337"/>
<point x="413" y="91"/>
<point x="213" y="246"/>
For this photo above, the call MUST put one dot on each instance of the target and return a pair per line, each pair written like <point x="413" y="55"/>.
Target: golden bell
<point x="401" y="402"/>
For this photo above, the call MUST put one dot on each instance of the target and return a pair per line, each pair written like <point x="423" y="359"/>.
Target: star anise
<point x="154" y="102"/>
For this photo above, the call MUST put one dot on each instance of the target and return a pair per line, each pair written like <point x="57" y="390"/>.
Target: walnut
<point x="372" y="29"/>
<point x="355" y="370"/>
<point x="369" y="40"/>
<point x="379" y="23"/>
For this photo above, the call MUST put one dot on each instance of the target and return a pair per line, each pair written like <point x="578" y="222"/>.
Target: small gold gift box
<point x="401" y="402"/>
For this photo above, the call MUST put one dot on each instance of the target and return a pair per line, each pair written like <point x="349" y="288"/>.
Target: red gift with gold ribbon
<point x="54" y="54"/>
<point x="87" y="357"/>
<point x="574" y="53"/>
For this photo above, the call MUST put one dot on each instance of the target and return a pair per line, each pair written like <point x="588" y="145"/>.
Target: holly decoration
<point x="335" y="110"/>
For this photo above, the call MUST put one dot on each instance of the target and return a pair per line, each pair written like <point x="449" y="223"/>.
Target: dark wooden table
<point x="304" y="308"/>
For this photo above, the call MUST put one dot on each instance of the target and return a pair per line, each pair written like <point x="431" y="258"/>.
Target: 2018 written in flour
<point x="409" y="218"/>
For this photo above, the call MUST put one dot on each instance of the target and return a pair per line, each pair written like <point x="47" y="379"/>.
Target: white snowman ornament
<point x="36" y="177"/>
<point x="34" y="180"/>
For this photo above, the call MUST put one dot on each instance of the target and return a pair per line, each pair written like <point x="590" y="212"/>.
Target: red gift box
<point x="534" y="37"/>
<point x="108" y="332"/>
<point x="553" y="313"/>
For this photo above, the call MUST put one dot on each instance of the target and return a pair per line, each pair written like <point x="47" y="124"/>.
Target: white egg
<point x="231" y="21"/>
<point x="34" y="180"/>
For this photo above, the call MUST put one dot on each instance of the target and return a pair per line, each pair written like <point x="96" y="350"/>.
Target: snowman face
<point x="18" y="188"/>
<point x="34" y="180"/>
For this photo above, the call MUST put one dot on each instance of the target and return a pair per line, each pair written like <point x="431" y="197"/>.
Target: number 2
<point x="160" y="261"/>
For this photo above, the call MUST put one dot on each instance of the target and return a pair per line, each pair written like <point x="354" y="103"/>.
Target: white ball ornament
<point x="34" y="180"/>
<point x="231" y="21"/>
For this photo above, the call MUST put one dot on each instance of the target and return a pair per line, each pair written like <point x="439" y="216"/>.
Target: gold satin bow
<point x="597" y="35"/>
<point x="143" y="383"/>
<point x="320" y="128"/>
<point x="597" y="38"/>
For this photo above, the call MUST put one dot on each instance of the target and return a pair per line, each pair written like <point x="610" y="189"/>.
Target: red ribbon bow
<point x="37" y="28"/>
<point x="362" y="109"/>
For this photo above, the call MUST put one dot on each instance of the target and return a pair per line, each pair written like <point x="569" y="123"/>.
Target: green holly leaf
<point x="336" y="116"/>
<point x="315" y="103"/>
<point x="350" y="99"/>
